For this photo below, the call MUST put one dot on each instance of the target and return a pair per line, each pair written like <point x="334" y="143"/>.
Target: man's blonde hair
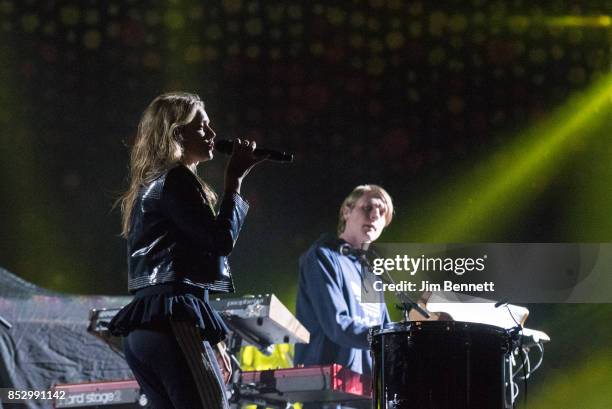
<point x="356" y="194"/>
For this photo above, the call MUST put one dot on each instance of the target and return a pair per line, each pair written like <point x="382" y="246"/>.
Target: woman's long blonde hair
<point x="158" y="147"/>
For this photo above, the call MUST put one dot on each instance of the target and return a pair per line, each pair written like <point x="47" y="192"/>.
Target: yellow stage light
<point x="492" y="194"/>
<point x="579" y="21"/>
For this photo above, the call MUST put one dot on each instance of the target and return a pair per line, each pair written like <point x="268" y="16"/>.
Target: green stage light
<point x="39" y="248"/>
<point x="193" y="54"/>
<point x="30" y="23"/>
<point x="253" y="51"/>
<point x="174" y="19"/>
<point x="494" y="192"/>
<point x="180" y="51"/>
<point x="92" y="39"/>
<point x="232" y="6"/>
<point x="589" y="205"/>
<point x="357" y="19"/>
<point x="336" y="16"/>
<point x="254" y="27"/>
<point x="395" y="40"/>
<point x="602" y="21"/>
<point x="520" y="23"/>
<point x="582" y="381"/>
<point x="70" y="15"/>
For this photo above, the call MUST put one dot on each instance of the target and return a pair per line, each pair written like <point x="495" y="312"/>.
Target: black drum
<point x="439" y="365"/>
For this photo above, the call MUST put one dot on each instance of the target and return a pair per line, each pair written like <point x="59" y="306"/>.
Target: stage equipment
<point x="261" y="321"/>
<point x="440" y="365"/>
<point x="116" y="394"/>
<point x="98" y="326"/>
<point x="455" y="307"/>
<point x="322" y="384"/>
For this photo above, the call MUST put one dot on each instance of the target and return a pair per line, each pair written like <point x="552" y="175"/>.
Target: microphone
<point x="226" y="146"/>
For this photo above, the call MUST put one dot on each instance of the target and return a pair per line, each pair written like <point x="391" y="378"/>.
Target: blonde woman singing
<point x="177" y="254"/>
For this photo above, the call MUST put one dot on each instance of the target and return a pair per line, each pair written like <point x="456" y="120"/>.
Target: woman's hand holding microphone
<point x="240" y="164"/>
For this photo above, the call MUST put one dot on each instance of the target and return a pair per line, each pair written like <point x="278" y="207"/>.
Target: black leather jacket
<point x="175" y="236"/>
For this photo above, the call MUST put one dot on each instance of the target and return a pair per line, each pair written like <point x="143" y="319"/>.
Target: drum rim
<point x="408" y="326"/>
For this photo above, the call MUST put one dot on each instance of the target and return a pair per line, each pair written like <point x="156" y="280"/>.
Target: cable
<point x="509" y="384"/>
<point x="540" y="347"/>
<point x="527" y="364"/>
<point x="521" y="349"/>
<point x="516" y="392"/>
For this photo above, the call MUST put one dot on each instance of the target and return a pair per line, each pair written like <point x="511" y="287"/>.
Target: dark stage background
<point x="487" y="121"/>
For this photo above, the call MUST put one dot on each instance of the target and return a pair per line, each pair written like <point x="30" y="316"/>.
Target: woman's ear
<point x="177" y="133"/>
